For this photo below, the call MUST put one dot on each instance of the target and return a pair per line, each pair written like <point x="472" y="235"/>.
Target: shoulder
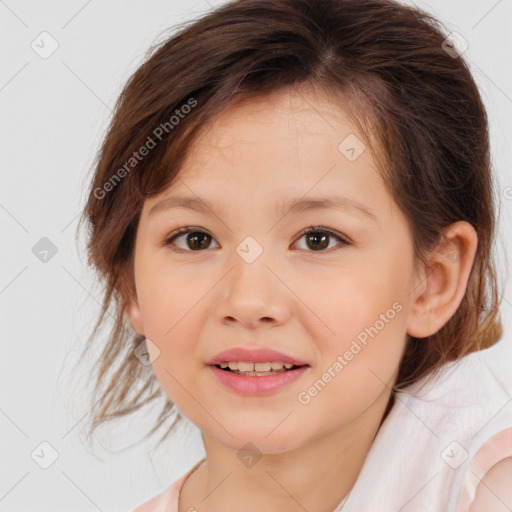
<point x="494" y="491"/>
<point x="167" y="501"/>
<point x="163" y="502"/>
<point x="486" y="475"/>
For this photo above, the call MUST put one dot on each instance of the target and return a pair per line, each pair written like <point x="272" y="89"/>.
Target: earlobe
<point x="441" y="287"/>
<point x="134" y="315"/>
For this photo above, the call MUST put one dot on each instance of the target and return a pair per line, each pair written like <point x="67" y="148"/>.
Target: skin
<point x="306" y="302"/>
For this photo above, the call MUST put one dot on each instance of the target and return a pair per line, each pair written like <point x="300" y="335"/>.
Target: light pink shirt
<point x="167" y="501"/>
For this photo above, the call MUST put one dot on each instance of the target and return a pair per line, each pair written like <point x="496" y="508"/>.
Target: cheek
<point x="345" y="303"/>
<point x="170" y="301"/>
<point x="356" y="367"/>
<point x="366" y="320"/>
<point x="166" y="293"/>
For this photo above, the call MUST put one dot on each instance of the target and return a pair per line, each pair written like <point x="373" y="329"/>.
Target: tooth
<point x="245" y="367"/>
<point x="262" y="367"/>
<point x="288" y="365"/>
<point x="233" y="365"/>
<point x="223" y="365"/>
<point x="276" y="365"/>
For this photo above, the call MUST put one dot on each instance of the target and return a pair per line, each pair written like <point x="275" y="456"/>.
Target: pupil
<point x="315" y="236"/>
<point x="193" y="237"/>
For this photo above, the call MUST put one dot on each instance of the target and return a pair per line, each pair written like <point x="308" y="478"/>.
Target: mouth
<point x="247" y="378"/>
<point x="247" y="369"/>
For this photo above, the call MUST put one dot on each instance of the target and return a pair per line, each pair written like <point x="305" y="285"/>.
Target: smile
<point x="248" y="378"/>
<point x="255" y="369"/>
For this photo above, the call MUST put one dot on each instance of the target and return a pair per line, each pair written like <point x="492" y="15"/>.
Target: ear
<point x="128" y="293"/>
<point x="132" y="309"/>
<point x="134" y="315"/>
<point x="440" y="288"/>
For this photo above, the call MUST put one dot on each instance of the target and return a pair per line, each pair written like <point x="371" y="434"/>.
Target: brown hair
<point x="416" y="104"/>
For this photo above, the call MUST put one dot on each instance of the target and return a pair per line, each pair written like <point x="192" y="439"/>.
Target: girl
<point x="293" y="214"/>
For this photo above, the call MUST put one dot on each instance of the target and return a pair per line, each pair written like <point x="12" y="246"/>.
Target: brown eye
<point x="318" y="238"/>
<point x="194" y="240"/>
<point x="198" y="240"/>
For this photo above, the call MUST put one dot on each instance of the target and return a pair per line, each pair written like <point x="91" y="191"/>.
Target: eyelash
<point x="311" y="229"/>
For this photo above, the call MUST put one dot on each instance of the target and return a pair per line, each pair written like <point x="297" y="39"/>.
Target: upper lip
<point x="254" y="355"/>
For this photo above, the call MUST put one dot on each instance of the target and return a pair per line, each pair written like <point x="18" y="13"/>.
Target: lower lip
<point x="257" y="385"/>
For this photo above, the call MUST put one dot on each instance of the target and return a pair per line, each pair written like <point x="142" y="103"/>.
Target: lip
<point x="257" y="385"/>
<point x="254" y="355"/>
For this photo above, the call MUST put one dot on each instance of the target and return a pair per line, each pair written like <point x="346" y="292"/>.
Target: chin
<point x="281" y="439"/>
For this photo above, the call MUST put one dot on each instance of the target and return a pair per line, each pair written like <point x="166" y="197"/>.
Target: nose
<point x="252" y="294"/>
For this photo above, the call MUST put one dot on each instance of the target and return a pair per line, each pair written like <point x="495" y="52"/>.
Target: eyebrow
<point x="284" y="208"/>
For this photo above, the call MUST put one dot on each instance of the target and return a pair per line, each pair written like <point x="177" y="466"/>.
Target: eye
<point x="198" y="239"/>
<point x="318" y="238"/>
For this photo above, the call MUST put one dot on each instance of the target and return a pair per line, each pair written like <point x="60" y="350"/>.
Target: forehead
<point x="294" y="114"/>
<point x="276" y="148"/>
<point x="284" y="131"/>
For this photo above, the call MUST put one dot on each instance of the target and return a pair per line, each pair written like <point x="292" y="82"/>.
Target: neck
<point x="316" y="476"/>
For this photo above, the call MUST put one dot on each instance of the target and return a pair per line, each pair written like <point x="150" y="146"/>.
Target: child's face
<point x="342" y="309"/>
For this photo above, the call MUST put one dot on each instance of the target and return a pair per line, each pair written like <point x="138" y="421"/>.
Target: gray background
<point x="54" y="112"/>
